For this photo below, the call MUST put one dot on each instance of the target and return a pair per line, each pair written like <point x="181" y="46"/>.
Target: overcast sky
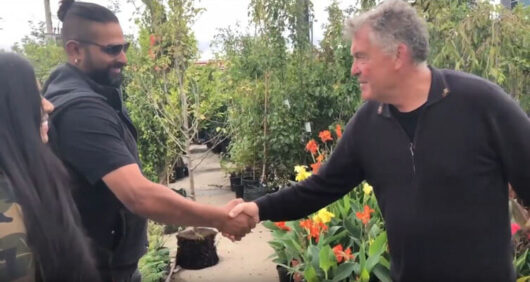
<point x="15" y="15"/>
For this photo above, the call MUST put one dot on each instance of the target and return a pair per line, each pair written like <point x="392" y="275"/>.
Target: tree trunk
<point x="264" y="168"/>
<point x="186" y="126"/>
<point x="48" y="16"/>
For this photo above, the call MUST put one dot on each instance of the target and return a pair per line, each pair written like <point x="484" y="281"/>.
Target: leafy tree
<point x="44" y="54"/>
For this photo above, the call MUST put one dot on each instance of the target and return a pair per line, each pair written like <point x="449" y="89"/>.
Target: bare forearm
<point x="160" y="204"/>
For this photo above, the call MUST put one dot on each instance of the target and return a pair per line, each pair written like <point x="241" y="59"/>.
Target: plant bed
<point x="196" y="248"/>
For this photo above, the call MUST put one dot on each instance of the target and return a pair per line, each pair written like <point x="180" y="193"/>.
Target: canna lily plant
<point x="344" y="241"/>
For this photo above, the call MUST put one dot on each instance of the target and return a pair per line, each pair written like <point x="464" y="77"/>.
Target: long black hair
<point x="39" y="180"/>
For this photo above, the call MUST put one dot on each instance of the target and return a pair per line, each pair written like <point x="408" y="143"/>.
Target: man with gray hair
<point x="438" y="146"/>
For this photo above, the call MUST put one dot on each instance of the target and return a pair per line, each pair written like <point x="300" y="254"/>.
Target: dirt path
<point x="246" y="260"/>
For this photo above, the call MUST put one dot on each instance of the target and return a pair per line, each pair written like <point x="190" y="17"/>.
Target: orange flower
<point x="316" y="167"/>
<point x="325" y="135"/>
<point x="312" y="147"/>
<point x="338" y="130"/>
<point x="365" y="215"/>
<point x="152" y="40"/>
<point x="307" y="223"/>
<point x="348" y="255"/>
<point x="282" y="226"/>
<point x="313" y="228"/>
<point x="315" y="232"/>
<point x="323" y="226"/>
<point x="341" y="255"/>
<point x="320" y="158"/>
<point x="337" y="250"/>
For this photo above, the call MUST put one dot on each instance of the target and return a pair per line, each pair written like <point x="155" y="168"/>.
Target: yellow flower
<point x="299" y="168"/>
<point x="301" y="172"/>
<point x="323" y="216"/>
<point x="367" y="188"/>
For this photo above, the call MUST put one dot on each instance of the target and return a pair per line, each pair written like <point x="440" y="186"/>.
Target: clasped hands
<point x="241" y="218"/>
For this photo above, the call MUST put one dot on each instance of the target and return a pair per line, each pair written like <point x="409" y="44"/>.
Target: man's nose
<point x="355" y="71"/>
<point x="122" y="57"/>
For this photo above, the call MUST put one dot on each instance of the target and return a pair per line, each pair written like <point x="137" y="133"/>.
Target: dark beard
<point x="104" y="77"/>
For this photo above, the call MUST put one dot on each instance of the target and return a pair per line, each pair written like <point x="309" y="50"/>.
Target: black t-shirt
<point x="407" y="120"/>
<point x="93" y="139"/>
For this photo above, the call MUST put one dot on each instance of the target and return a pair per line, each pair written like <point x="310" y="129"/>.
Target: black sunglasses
<point x="112" y="49"/>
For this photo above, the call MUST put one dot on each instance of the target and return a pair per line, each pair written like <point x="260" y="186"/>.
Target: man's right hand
<point x="243" y="211"/>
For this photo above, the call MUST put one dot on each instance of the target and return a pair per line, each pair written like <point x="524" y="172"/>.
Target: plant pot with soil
<point x="283" y="274"/>
<point x="196" y="248"/>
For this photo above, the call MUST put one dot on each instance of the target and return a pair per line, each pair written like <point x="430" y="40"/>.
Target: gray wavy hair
<point x="393" y="22"/>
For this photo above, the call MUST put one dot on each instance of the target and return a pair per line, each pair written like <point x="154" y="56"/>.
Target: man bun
<point x="63" y="9"/>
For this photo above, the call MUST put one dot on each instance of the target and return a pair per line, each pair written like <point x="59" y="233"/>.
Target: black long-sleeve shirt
<point x="444" y="196"/>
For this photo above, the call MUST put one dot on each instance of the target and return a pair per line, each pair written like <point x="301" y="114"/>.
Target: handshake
<point x="240" y="218"/>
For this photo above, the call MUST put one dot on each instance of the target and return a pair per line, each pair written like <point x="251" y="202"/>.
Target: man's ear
<point x="73" y="50"/>
<point x="402" y="56"/>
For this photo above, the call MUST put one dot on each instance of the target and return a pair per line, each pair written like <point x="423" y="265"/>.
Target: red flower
<point x="313" y="228"/>
<point x="325" y="135"/>
<point x="338" y="130"/>
<point x="348" y="255"/>
<point x="316" y="167"/>
<point x="307" y="223"/>
<point x="282" y="226"/>
<point x="365" y="215"/>
<point x="515" y="228"/>
<point x="337" y="250"/>
<point x="341" y="255"/>
<point x="312" y="147"/>
<point x="315" y="232"/>
<point x="152" y="40"/>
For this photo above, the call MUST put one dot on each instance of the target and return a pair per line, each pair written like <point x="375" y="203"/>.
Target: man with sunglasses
<point x="92" y="133"/>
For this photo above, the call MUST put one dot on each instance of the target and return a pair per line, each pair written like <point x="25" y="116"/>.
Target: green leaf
<point x="343" y="271"/>
<point x="372" y="261"/>
<point x="379" y="244"/>
<point x="310" y="274"/>
<point x="384" y="262"/>
<point x="313" y="252"/>
<point x="362" y="257"/>
<point x="382" y="273"/>
<point x="365" y="275"/>
<point x="355" y="231"/>
<point x="327" y="259"/>
<point x="334" y="238"/>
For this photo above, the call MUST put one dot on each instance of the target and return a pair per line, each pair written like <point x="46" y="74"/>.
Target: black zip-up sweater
<point x="444" y="196"/>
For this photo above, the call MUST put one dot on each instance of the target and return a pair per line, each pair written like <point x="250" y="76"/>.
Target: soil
<point x="196" y="248"/>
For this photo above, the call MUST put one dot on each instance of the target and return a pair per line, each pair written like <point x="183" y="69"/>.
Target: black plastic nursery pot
<point x="235" y="180"/>
<point x="283" y="274"/>
<point x="196" y="248"/>
<point x="252" y="192"/>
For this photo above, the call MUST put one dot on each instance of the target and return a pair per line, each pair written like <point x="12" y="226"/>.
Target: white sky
<point x="15" y="15"/>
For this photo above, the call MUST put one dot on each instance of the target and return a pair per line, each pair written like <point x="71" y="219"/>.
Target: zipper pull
<point x="411" y="148"/>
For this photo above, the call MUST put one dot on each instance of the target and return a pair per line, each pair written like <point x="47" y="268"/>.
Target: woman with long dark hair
<point x="40" y="238"/>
